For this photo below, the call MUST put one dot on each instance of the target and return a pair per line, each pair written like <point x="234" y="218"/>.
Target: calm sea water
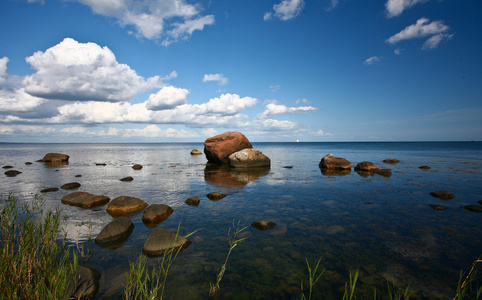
<point x="382" y="226"/>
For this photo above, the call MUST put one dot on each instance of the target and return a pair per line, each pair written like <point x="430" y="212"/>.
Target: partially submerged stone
<point x="366" y="166"/>
<point x="330" y="162"/>
<point x="424" y="167"/>
<point x="263" y="225"/>
<point x="249" y="158"/>
<point x="49" y="190"/>
<point x="444" y="195"/>
<point x="215" y="196"/>
<point x="71" y="186"/>
<point x="84" y="199"/>
<point x="156" y="213"/>
<point x="391" y="161"/>
<point x="383" y="172"/>
<point x="161" y="241"/>
<point x="12" y="173"/>
<point x="87" y="280"/>
<point x="196" y="152"/>
<point x="115" y="233"/>
<point x="137" y="167"/>
<point x="474" y="208"/>
<point x="125" y="205"/>
<point x="55" y="158"/>
<point x="193" y="201"/>
<point x="218" y="148"/>
<point x="437" y="207"/>
<point x="128" y="178"/>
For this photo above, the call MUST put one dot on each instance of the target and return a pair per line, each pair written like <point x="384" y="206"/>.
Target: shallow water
<point x="382" y="226"/>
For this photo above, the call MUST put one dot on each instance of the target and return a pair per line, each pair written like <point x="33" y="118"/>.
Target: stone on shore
<point x="125" y="205"/>
<point x="263" y="225"/>
<point x="366" y="166"/>
<point x="215" y="196"/>
<point x="137" y="167"/>
<point x="156" y="213"/>
<point x="193" y="201"/>
<point x="444" y="195"/>
<point x="160" y="241"/>
<point x="55" y="158"/>
<point x="84" y="199"/>
<point x="330" y="162"/>
<point x="70" y="186"/>
<point x="115" y="233"/>
<point x="196" y="152"/>
<point x="218" y="148"/>
<point x="391" y="161"/>
<point x="12" y="173"/>
<point x="248" y="158"/>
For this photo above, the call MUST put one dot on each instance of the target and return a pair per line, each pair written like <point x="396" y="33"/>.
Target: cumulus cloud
<point x="168" y="97"/>
<point x="18" y="101"/>
<point x="78" y="72"/>
<point x="3" y="70"/>
<point x="275" y="125"/>
<point x="219" y="78"/>
<point x="372" y="60"/>
<point x="168" y="20"/>
<point x="273" y="109"/>
<point x="10" y="130"/>
<point x="286" y="10"/>
<point x="396" y="7"/>
<point x="435" y="40"/>
<point x="423" y="28"/>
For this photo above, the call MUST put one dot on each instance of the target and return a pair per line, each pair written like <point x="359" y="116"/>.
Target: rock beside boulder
<point x="218" y="148"/>
<point x="248" y="158"/>
<point x="137" y="167"/>
<point x="161" y="241"/>
<point x="215" y="196"/>
<point x="85" y="200"/>
<point x="156" y="213"/>
<point x="55" y="158"/>
<point x="444" y="195"/>
<point x="263" y="225"/>
<point x="12" y="173"/>
<point x="366" y="166"/>
<point x="125" y="205"/>
<point x="196" y="152"/>
<point x="391" y="161"/>
<point x="330" y="162"/>
<point x="193" y="201"/>
<point x="115" y="233"/>
<point x="71" y="186"/>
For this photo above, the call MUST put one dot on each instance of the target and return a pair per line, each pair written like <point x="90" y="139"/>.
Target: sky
<point x="118" y="71"/>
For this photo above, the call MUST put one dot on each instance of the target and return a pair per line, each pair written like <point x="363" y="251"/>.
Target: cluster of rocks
<point x="331" y="165"/>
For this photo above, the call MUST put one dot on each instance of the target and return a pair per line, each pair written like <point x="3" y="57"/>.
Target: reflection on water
<point x="233" y="177"/>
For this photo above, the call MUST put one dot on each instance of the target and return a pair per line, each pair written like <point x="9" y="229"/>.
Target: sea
<point x="382" y="225"/>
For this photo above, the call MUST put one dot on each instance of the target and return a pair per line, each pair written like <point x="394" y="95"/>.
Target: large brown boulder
<point x="55" y="158"/>
<point x="115" y="233"/>
<point x="156" y="213"/>
<point x="160" y="241"/>
<point x="125" y="205"/>
<point x="83" y="199"/>
<point x="248" y="158"/>
<point x="218" y="148"/>
<point x="330" y="162"/>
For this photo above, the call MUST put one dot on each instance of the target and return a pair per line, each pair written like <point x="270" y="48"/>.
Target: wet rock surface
<point x="160" y="241"/>
<point x="218" y="148"/>
<point x="55" y="158"/>
<point x="196" y="152"/>
<point x="330" y="162"/>
<point x="125" y="205"/>
<point x="215" y="196"/>
<point x="115" y="234"/>
<point x="84" y="199"/>
<point x="443" y="195"/>
<point x="193" y="201"/>
<point x="248" y="158"/>
<point x="366" y="166"/>
<point x="156" y="213"/>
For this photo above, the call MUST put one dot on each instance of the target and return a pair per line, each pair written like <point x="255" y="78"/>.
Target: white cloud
<point x="3" y="70"/>
<point x="11" y="130"/>
<point x="210" y="132"/>
<point x="273" y="109"/>
<point x="219" y="77"/>
<point x="372" y="60"/>
<point x="435" y="40"/>
<point x="419" y="30"/>
<point x="274" y="88"/>
<point x="286" y="10"/>
<point x="275" y="125"/>
<point x="18" y="101"/>
<point x="397" y="51"/>
<point x="333" y="4"/>
<point x="396" y="7"/>
<point x="322" y="133"/>
<point x="169" y="20"/>
<point x="79" y="72"/>
<point x="305" y="101"/>
<point x="168" y="97"/>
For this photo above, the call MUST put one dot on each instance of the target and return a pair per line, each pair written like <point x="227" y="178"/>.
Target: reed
<point x="33" y="265"/>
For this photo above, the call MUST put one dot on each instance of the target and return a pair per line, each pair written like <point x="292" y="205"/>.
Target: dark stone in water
<point x="87" y="283"/>
<point x="474" y="208"/>
<point x="444" y="195"/>
<point x="215" y="196"/>
<point x="85" y="200"/>
<point x="156" y="213"/>
<point x="125" y="205"/>
<point x="71" y="186"/>
<point x="48" y="190"/>
<point x="193" y="201"/>
<point x="28" y="163"/>
<point x="137" y="167"/>
<point x="128" y="178"/>
<point x="160" y="241"/>
<point x="12" y="173"/>
<point x="288" y="167"/>
<point x="115" y="233"/>
<point x="391" y="161"/>
<point x="330" y="162"/>
<point x="7" y="167"/>
<point x="101" y="164"/>
<point x="55" y="158"/>
<point x="384" y="172"/>
<point x="78" y="175"/>
<point x="263" y="225"/>
<point x="480" y="202"/>
<point x="424" y="167"/>
<point x="437" y="207"/>
<point x="366" y="166"/>
<point x="196" y="152"/>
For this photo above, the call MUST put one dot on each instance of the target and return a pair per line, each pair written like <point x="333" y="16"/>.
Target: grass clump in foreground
<point x="32" y="264"/>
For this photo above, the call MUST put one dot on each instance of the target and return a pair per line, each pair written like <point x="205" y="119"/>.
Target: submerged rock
<point x="330" y="162"/>
<point x="28" y="163"/>
<point x="156" y="213"/>
<point x="474" y="208"/>
<point x="71" y="186"/>
<point x="215" y="196"/>
<point x="193" y="201"/>
<point x="87" y="280"/>
<point x="7" y="167"/>
<point x="196" y="152"/>
<point x="55" y="158"/>
<point x="248" y="158"/>
<point x="424" y="167"/>
<point x="263" y="225"/>
<point x="437" y="207"/>
<point x="48" y="190"/>
<point x="391" y="161"/>
<point x="12" y="173"/>
<point x="137" y="167"/>
<point x="383" y="172"/>
<point x="125" y="205"/>
<point x="160" y="241"/>
<point x="115" y="233"/>
<point x="85" y="200"/>
<point x="128" y="178"/>
<point x="444" y="195"/>
<point x="366" y="166"/>
<point x="218" y="148"/>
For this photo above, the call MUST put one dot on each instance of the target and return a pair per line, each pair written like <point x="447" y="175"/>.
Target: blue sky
<point x="275" y="70"/>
